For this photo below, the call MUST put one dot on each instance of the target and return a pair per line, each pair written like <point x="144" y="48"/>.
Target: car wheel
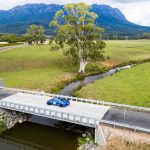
<point x="61" y="105"/>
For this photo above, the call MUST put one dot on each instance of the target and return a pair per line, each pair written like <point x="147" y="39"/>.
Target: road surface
<point x="133" y="118"/>
<point x="6" y="48"/>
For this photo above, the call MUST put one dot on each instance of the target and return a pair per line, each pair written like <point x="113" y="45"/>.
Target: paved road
<point x="6" y="48"/>
<point x="133" y="118"/>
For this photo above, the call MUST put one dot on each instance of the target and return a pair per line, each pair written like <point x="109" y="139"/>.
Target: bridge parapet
<point x="62" y="116"/>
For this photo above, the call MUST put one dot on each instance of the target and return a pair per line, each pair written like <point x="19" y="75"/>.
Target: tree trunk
<point x="82" y="66"/>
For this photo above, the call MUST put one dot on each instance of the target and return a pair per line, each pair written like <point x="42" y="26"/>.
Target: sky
<point x="136" y="11"/>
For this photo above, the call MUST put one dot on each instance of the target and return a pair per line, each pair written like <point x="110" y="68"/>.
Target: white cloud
<point x="136" y="11"/>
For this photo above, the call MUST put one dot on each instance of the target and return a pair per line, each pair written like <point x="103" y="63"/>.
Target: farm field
<point x="36" y="67"/>
<point x="124" y="51"/>
<point x="131" y="86"/>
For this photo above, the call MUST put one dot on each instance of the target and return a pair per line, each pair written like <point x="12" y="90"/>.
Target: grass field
<point x="124" y="51"/>
<point x="131" y="86"/>
<point x="36" y="67"/>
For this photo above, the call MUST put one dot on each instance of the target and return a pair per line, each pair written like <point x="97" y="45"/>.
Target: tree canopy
<point x="10" y="38"/>
<point x="36" y="33"/>
<point x="75" y="27"/>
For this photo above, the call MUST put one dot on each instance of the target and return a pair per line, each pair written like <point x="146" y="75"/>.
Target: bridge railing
<point x="49" y="113"/>
<point x="128" y="126"/>
<point x="63" y="116"/>
<point x="99" y="102"/>
<point x="82" y="100"/>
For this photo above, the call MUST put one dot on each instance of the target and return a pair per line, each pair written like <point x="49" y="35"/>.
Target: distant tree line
<point x="10" y="38"/>
<point x="116" y="36"/>
<point x="145" y="35"/>
<point x="34" y="35"/>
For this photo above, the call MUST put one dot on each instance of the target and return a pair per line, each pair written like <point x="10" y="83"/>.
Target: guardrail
<point x="48" y="113"/>
<point x="82" y="100"/>
<point x="128" y="126"/>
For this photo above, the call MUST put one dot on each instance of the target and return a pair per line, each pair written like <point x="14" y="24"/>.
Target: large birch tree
<point x="75" y="27"/>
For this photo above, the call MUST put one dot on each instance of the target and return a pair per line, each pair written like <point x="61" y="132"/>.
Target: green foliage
<point x="76" y="28"/>
<point x="2" y="126"/>
<point x="85" y="140"/>
<point x="26" y="38"/>
<point x="81" y="140"/>
<point x="55" y="47"/>
<point x="36" y="33"/>
<point x="95" y="67"/>
<point x="10" y="38"/>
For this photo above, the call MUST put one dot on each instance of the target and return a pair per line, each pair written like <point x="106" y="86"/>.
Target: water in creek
<point x="47" y="134"/>
<point x="32" y="136"/>
<point x="74" y="85"/>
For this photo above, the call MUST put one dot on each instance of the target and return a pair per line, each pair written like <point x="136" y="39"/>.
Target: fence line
<point x="128" y="126"/>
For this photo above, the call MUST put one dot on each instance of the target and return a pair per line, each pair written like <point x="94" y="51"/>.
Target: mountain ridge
<point x="17" y="19"/>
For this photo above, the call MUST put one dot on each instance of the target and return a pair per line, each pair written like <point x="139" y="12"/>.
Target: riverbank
<point x="129" y="86"/>
<point x="115" y="139"/>
<point x="8" y="119"/>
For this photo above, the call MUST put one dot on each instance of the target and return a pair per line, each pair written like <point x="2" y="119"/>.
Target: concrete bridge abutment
<point x="99" y="136"/>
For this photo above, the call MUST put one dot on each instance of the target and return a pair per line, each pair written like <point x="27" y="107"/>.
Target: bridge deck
<point x="77" y="108"/>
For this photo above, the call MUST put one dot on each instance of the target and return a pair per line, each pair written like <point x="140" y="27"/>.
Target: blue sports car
<point x="56" y="101"/>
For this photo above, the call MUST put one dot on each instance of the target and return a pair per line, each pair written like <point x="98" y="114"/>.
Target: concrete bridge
<point x="80" y="111"/>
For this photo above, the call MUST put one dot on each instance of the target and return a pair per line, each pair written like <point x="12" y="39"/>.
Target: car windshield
<point x="64" y="100"/>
